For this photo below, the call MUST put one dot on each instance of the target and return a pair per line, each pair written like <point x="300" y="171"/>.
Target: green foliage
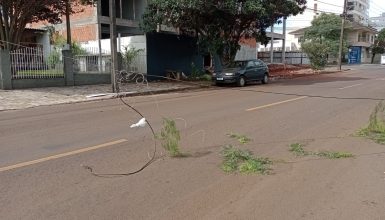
<point x="379" y="44"/>
<point x="377" y="119"/>
<point x="334" y="155"/>
<point x="205" y="77"/>
<point x="195" y="72"/>
<point x="376" y="128"/>
<point x="219" y="25"/>
<point x="255" y="165"/>
<point x="232" y="158"/>
<point x="198" y="74"/>
<point x="58" y="40"/>
<point x="243" y="139"/>
<point x="381" y="35"/>
<point x="322" y="38"/>
<point x="378" y="49"/>
<point x="326" y="27"/>
<point x="243" y="161"/>
<point x="52" y="72"/>
<point x="298" y="149"/>
<point x="170" y="136"/>
<point x="317" y="53"/>
<point x="77" y="49"/>
<point x="129" y="54"/>
<point x="16" y="14"/>
<point x="53" y="58"/>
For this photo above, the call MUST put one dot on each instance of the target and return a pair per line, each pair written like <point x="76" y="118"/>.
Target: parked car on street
<point x="243" y="72"/>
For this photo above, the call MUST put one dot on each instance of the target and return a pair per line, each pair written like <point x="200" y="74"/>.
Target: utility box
<point x="383" y="59"/>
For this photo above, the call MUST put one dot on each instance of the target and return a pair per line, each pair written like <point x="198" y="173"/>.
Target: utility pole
<point x="272" y="44"/>
<point x="68" y="23"/>
<point x="284" y="41"/>
<point x="339" y="59"/>
<point x="99" y="14"/>
<point x="114" y="52"/>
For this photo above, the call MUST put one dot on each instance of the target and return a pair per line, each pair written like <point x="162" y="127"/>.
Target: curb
<point x="292" y="76"/>
<point x="134" y="94"/>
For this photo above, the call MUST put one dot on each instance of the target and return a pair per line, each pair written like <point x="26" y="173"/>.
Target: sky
<point x="334" y="6"/>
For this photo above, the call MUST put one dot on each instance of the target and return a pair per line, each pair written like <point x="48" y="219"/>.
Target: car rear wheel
<point x="241" y="81"/>
<point x="265" y="79"/>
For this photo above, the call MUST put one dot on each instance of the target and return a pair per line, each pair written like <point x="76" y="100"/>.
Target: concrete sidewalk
<point x="27" y="98"/>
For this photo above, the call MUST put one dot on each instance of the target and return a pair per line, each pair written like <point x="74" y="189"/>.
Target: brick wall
<point x="84" y="12"/>
<point x="81" y="28"/>
<point x="83" y="33"/>
<point x="251" y="42"/>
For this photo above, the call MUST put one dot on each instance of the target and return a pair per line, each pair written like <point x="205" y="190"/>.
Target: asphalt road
<point x="43" y="149"/>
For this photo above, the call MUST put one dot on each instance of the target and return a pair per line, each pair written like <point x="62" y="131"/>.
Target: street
<point x="43" y="152"/>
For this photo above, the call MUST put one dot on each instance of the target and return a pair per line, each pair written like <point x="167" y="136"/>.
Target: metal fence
<point x="138" y="64"/>
<point x="33" y="63"/>
<point x="290" y="57"/>
<point x="90" y="60"/>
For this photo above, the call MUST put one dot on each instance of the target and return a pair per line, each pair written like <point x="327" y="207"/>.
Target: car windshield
<point x="237" y="64"/>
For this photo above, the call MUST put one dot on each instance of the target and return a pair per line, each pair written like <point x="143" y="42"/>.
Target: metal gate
<point x="32" y="63"/>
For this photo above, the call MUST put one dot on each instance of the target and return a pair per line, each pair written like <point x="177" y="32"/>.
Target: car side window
<point x="250" y="64"/>
<point x="258" y="63"/>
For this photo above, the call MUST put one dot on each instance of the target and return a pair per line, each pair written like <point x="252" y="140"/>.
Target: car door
<point x="260" y="70"/>
<point x="251" y="70"/>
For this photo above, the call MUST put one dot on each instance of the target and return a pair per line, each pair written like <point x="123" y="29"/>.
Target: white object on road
<point x="141" y="123"/>
<point x="99" y="95"/>
<point x="383" y="59"/>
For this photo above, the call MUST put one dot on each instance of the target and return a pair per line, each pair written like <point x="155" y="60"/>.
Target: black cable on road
<point x="152" y="159"/>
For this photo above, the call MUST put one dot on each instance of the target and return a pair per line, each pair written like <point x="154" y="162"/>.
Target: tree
<point x="379" y="44"/>
<point x="220" y="24"/>
<point x="16" y="14"/>
<point x="317" y="53"/>
<point x="322" y="38"/>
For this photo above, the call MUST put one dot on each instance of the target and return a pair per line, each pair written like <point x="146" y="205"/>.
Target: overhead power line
<point x="330" y="4"/>
<point x="317" y="10"/>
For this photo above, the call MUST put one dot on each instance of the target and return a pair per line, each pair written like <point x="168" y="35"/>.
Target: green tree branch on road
<point x="220" y="24"/>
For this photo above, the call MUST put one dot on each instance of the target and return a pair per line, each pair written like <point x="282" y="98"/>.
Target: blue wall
<point x="354" y="55"/>
<point x="167" y="51"/>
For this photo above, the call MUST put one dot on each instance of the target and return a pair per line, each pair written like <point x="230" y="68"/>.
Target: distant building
<point x="36" y="38"/>
<point x="360" y="39"/>
<point x="292" y="43"/>
<point x="359" y="10"/>
<point x="378" y="22"/>
<point x="93" y="22"/>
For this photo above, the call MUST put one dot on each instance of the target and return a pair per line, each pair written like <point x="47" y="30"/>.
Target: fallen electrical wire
<point x="152" y="158"/>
